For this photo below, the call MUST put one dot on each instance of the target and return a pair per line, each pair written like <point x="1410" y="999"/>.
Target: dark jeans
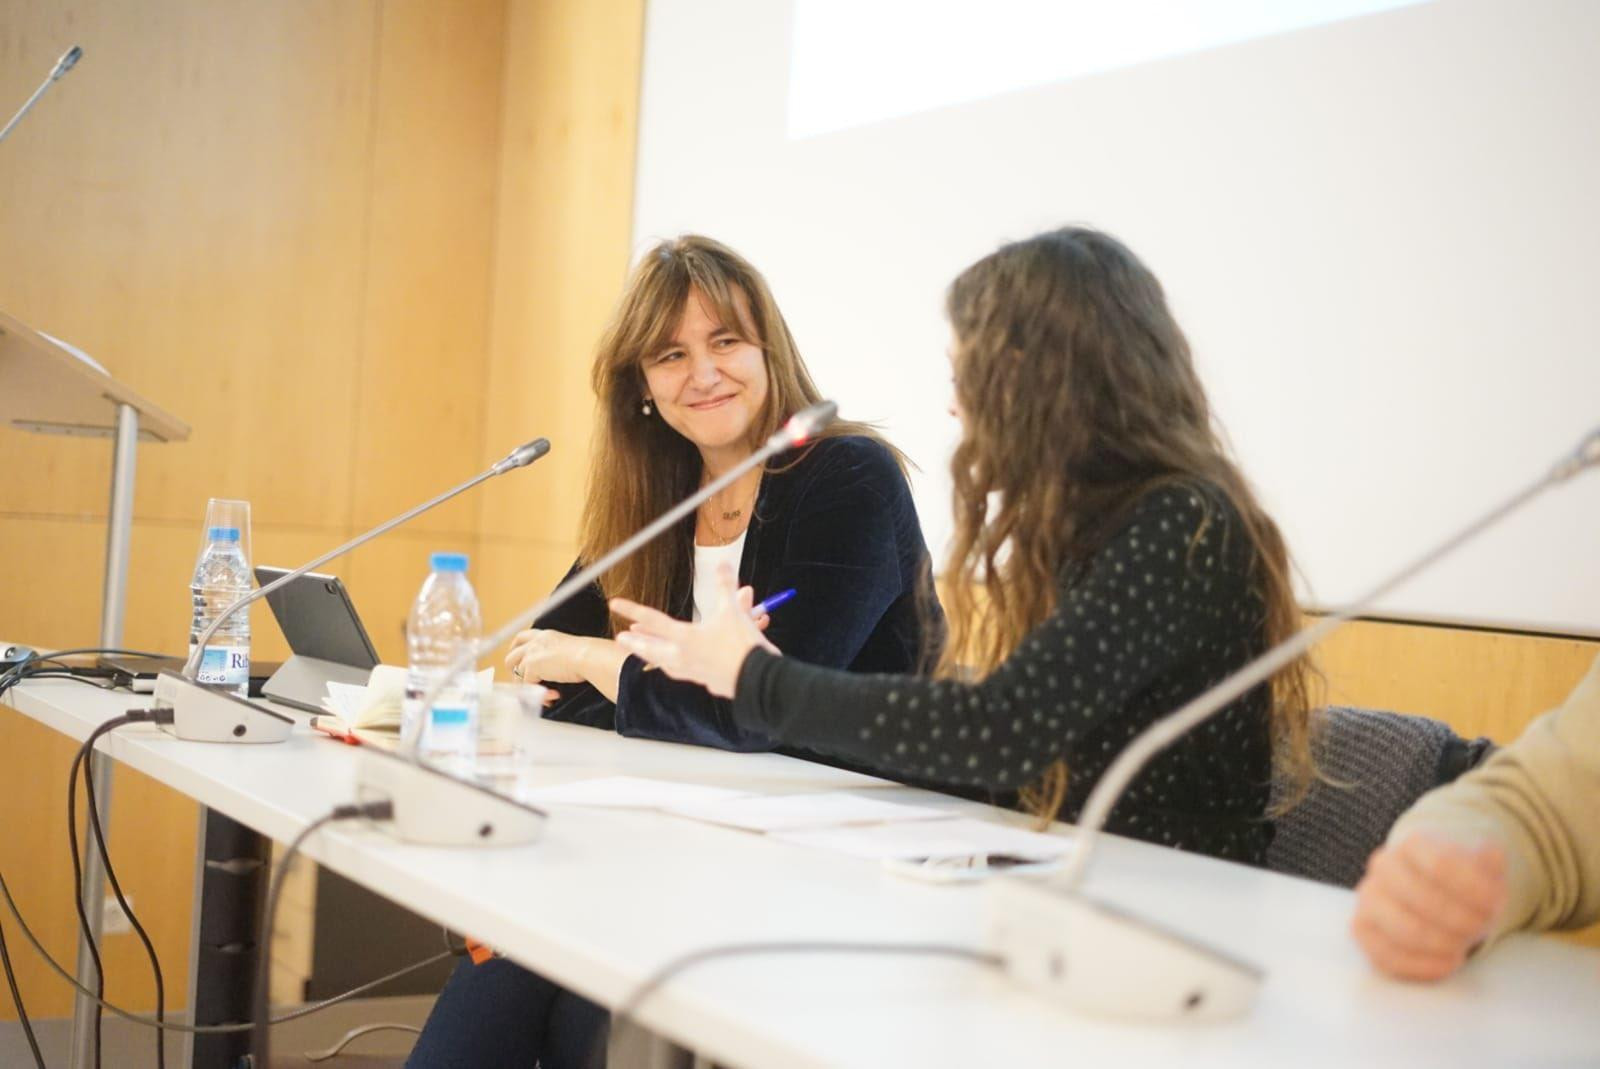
<point x="501" y="1015"/>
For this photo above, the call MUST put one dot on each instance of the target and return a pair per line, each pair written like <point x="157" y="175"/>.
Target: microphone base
<point x="435" y="809"/>
<point x="202" y="714"/>
<point x="1095" y="959"/>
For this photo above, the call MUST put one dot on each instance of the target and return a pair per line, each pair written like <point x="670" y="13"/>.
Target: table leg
<point x="230" y="901"/>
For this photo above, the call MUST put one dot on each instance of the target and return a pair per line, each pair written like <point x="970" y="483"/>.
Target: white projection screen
<point x="1376" y="222"/>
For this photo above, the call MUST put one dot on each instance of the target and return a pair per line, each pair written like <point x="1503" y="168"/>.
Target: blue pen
<point x="763" y="607"/>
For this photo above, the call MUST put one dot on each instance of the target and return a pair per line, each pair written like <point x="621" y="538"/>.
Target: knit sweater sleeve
<point x="1538" y="798"/>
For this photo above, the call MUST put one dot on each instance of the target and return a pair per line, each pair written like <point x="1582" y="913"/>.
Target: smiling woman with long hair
<point x="1110" y="563"/>
<point x="695" y="371"/>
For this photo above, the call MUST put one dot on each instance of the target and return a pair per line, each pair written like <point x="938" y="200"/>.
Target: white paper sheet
<point x="344" y="699"/>
<point x="628" y="792"/>
<point x="943" y="838"/>
<point x="787" y="812"/>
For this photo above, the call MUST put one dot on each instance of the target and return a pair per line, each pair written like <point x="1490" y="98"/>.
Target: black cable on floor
<point x="16" y="999"/>
<point x="116" y="885"/>
<point x="84" y="930"/>
<point x="261" y="1035"/>
<point x="79" y="760"/>
<point x="201" y="1029"/>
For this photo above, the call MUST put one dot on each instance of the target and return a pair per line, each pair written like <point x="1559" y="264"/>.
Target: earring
<point x="645" y="408"/>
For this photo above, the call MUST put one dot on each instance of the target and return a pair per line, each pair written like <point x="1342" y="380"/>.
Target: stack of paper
<point x="791" y="812"/>
<point x="849" y="822"/>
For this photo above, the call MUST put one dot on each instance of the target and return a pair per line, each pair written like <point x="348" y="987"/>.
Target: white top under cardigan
<point x="706" y="560"/>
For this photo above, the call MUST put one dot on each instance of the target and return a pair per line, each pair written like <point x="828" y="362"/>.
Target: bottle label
<point x="225" y="666"/>
<point x="451" y="730"/>
<point x="446" y="716"/>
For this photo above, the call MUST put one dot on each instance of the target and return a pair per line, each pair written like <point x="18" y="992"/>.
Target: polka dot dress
<point x="1164" y="610"/>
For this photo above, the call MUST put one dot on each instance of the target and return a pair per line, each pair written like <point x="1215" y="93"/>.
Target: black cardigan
<point x="838" y="526"/>
<point x="1164" y="610"/>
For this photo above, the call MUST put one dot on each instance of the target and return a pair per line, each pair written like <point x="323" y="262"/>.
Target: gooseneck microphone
<point x="519" y="457"/>
<point x="212" y="715"/>
<point x="68" y="60"/>
<point x="1092" y="956"/>
<point x="1163" y="732"/>
<point x="799" y="429"/>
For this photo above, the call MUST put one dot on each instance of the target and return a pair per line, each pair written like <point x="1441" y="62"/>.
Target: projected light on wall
<point x="863" y="61"/>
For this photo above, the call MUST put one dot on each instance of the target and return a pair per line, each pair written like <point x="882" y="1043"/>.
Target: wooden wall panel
<point x="510" y="575"/>
<point x="275" y="220"/>
<point x="565" y="211"/>
<point x="1479" y="682"/>
<point x="566" y="179"/>
<point x="420" y="381"/>
<point x="40" y="605"/>
<point x="384" y="577"/>
<point x="185" y="205"/>
<point x="152" y="844"/>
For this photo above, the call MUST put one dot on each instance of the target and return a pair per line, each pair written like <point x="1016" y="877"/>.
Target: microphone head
<point x="524" y="454"/>
<point x="1589" y="449"/>
<point x="804" y="424"/>
<point x="67" y="61"/>
<point x="1586" y="455"/>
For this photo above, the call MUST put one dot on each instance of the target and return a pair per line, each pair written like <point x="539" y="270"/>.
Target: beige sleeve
<point x="1540" y="798"/>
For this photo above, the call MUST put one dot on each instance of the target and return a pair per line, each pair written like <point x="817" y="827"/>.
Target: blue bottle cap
<point x="448" y="562"/>
<point x="222" y="534"/>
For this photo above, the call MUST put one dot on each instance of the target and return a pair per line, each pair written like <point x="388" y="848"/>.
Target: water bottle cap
<point x="448" y="562"/>
<point x="222" y="534"/>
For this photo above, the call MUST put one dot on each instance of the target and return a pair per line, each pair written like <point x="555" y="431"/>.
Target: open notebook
<point x="376" y="706"/>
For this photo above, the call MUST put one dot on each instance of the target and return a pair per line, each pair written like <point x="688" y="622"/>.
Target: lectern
<point x="48" y="388"/>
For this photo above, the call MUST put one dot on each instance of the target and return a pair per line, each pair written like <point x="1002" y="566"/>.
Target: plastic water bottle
<point x="221" y="577"/>
<point x="444" y="623"/>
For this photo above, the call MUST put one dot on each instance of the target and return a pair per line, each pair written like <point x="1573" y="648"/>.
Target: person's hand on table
<point x="1425" y="903"/>
<point x="542" y="656"/>
<point x="548" y="656"/>
<point x="710" y="652"/>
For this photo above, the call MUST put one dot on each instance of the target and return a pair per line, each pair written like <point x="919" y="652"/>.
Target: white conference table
<point x="608" y="896"/>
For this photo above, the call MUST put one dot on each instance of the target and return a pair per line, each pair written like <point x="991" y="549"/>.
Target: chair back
<point x="1377" y="765"/>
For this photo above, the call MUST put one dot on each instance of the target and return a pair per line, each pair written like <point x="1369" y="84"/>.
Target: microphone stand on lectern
<point x="1092" y="956"/>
